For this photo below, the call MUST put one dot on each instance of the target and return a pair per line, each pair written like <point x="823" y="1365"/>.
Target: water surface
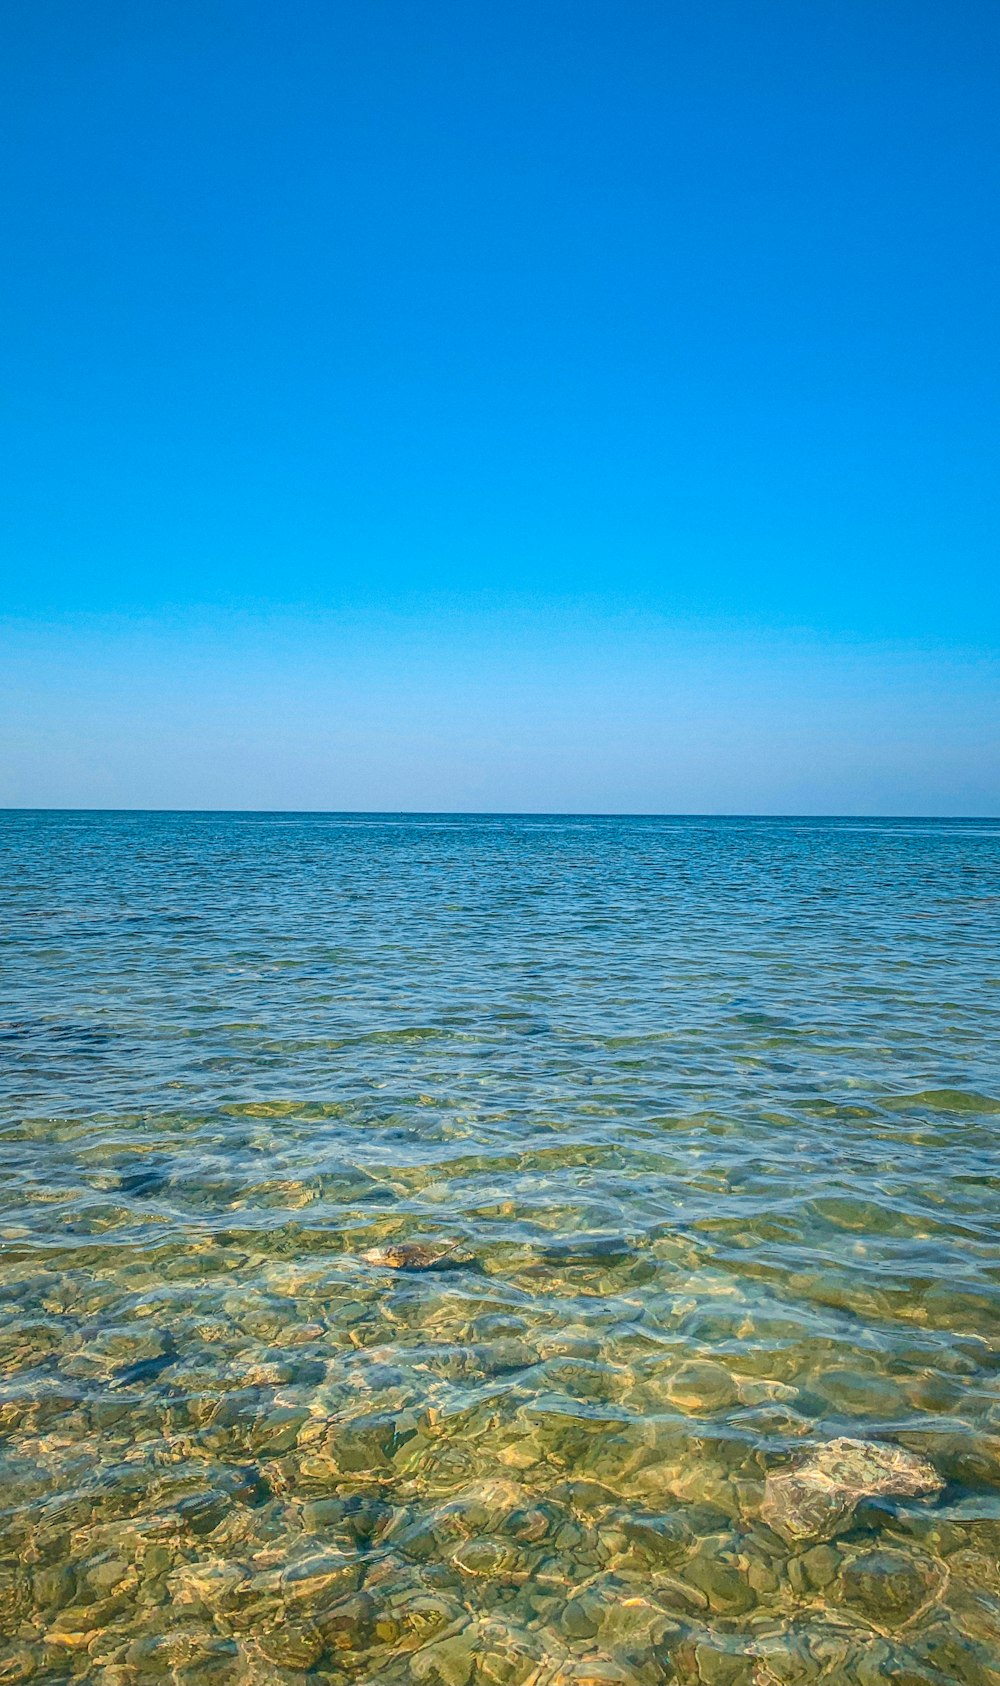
<point x="709" y="1113"/>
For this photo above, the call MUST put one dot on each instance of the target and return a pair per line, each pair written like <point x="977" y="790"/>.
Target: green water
<point x="708" y="1115"/>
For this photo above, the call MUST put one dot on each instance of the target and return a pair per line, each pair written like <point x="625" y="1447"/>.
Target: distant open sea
<point x="499" y="1250"/>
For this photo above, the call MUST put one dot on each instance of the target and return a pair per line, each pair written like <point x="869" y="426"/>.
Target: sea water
<point x="428" y="1243"/>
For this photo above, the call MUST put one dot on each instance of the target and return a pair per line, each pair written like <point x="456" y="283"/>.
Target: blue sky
<point x="550" y="406"/>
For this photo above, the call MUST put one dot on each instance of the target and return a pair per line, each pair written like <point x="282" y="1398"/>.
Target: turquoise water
<point x="698" y="1122"/>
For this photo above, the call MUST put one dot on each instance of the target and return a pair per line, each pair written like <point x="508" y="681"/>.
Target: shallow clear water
<point x="709" y="1112"/>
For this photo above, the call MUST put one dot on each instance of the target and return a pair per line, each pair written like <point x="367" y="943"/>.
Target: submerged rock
<point x="418" y="1255"/>
<point x="448" y="1662"/>
<point x="506" y="1654"/>
<point x="290" y="1645"/>
<point x="595" y="1669"/>
<point x="888" y="1588"/>
<point x="700" y="1387"/>
<point x="814" y="1497"/>
<point x="587" y="1249"/>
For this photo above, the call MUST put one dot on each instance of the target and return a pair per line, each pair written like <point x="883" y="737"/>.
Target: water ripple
<point x="683" y="1136"/>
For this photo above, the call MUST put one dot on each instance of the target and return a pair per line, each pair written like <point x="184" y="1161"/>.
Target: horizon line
<point x="502" y="813"/>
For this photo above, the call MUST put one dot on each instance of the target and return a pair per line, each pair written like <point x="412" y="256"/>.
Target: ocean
<point x="499" y="1250"/>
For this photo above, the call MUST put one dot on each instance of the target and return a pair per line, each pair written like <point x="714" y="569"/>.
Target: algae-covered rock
<point x="816" y="1496"/>
<point x="74" y="1629"/>
<point x="586" y="1249"/>
<point x="815" y="1569"/>
<point x="728" y="1591"/>
<point x="347" y="1626"/>
<point x="18" y="1665"/>
<point x="700" y="1387"/>
<point x="411" y="1619"/>
<point x="717" y="1666"/>
<point x="53" y="1587"/>
<point x="596" y="1669"/>
<point x="348" y="1522"/>
<point x="952" y="1656"/>
<point x="291" y="1645"/>
<point x="495" y="1559"/>
<point x="447" y="1662"/>
<point x="657" y="1540"/>
<point x="506" y="1655"/>
<point x="861" y="1393"/>
<point x="15" y="1597"/>
<point x="581" y="1616"/>
<point x="320" y="1579"/>
<point x="888" y="1588"/>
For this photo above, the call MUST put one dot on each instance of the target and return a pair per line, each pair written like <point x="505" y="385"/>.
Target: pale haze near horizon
<point x="585" y="714"/>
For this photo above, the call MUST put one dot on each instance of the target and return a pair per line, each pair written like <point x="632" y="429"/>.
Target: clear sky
<point x="574" y="404"/>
